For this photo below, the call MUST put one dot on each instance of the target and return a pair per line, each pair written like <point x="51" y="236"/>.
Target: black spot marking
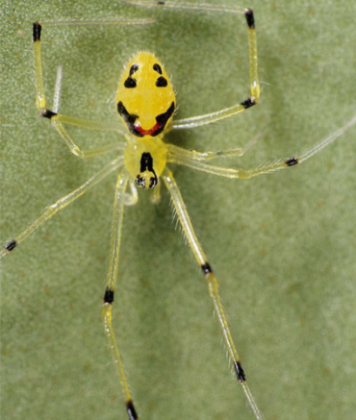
<point x="291" y="162"/>
<point x="131" y="118"/>
<point x="48" y="114"/>
<point x="133" y="69"/>
<point x="140" y="181"/>
<point x="248" y="103"/>
<point x="161" y="3"/>
<point x="131" y="410"/>
<point x="109" y="296"/>
<point x="36" y="32"/>
<point x="146" y="164"/>
<point x="163" y="118"/>
<point x="153" y="181"/>
<point x="206" y="268"/>
<point x="128" y="118"/>
<point x="157" y="68"/>
<point x="161" y="82"/>
<point x="241" y="377"/>
<point x="11" y="245"/>
<point x="130" y="83"/>
<point x="250" y="18"/>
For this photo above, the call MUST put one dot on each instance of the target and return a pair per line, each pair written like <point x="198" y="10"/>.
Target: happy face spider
<point x="146" y="103"/>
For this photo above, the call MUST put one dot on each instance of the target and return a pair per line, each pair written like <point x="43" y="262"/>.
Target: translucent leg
<point x="254" y="83"/>
<point x="156" y="193"/>
<point x="185" y="6"/>
<point x="87" y="22"/>
<point x="178" y="152"/>
<point x="110" y="291"/>
<point x="189" y="159"/>
<point x="58" y="120"/>
<point x="132" y="198"/>
<point x="61" y="204"/>
<point x="211" y="282"/>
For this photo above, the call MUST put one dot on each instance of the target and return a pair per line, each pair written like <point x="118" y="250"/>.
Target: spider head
<point x="145" y="98"/>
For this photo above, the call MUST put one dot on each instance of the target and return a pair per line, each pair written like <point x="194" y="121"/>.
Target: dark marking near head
<point x="128" y="118"/>
<point x="109" y="296"/>
<point x="157" y="68"/>
<point x="161" y="3"/>
<point x="131" y="410"/>
<point x="36" y="32"/>
<point x="250" y="18"/>
<point x="163" y="118"/>
<point x="48" y="114"/>
<point x="138" y="130"/>
<point x="291" y="162"/>
<point x="130" y="83"/>
<point x="161" y="82"/>
<point x="248" y="103"/>
<point x="241" y="377"/>
<point x="146" y="164"/>
<point x="133" y="69"/>
<point x="206" y="268"/>
<point x="11" y="245"/>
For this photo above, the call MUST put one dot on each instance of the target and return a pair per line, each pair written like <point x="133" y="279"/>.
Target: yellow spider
<point x="146" y="104"/>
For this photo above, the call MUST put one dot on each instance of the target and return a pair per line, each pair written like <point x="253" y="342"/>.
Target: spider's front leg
<point x="200" y="120"/>
<point x="57" y="120"/>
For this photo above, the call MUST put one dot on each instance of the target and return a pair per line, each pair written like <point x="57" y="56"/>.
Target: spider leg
<point x="120" y="198"/>
<point x="212" y="283"/>
<point x="58" y="120"/>
<point x="179" y="152"/>
<point x="189" y="158"/>
<point x="131" y="198"/>
<point x="61" y="204"/>
<point x="205" y="119"/>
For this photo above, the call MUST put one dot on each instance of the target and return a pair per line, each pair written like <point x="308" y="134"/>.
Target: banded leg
<point x="190" y="159"/>
<point x="254" y="83"/>
<point x="61" y="204"/>
<point x="120" y="198"/>
<point x="212" y="284"/>
<point x="58" y="120"/>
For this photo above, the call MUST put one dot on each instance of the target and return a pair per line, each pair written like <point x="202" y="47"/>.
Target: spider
<point x="146" y="104"/>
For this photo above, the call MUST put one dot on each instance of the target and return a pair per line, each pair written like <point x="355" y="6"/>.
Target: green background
<point x="282" y="246"/>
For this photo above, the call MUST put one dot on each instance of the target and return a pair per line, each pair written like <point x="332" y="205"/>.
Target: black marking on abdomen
<point x="241" y="377"/>
<point x="48" y="114"/>
<point x="161" y="82"/>
<point x="36" y="32"/>
<point x="11" y="245"/>
<point x="128" y="118"/>
<point x="248" y="103"/>
<point x="291" y="161"/>
<point x="161" y="3"/>
<point x="250" y="18"/>
<point x="163" y="118"/>
<point x="130" y="83"/>
<point x="157" y="68"/>
<point x="131" y="410"/>
<point x="133" y="69"/>
<point x="206" y="268"/>
<point x="109" y="296"/>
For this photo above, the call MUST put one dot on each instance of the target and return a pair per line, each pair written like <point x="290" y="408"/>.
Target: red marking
<point x="149" y="132"/>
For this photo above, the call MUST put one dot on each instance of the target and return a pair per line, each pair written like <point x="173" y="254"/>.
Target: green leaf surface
<point x="282" y="246"/>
